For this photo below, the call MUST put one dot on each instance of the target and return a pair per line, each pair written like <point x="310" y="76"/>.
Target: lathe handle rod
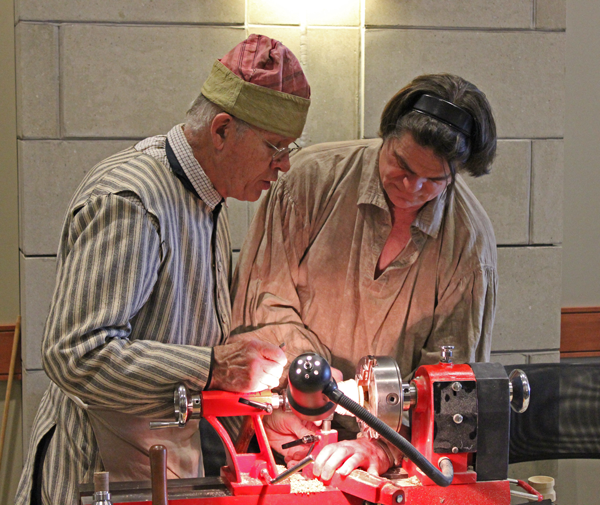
<point x="158" y="469"/>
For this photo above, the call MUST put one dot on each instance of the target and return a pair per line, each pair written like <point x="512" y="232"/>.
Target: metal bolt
<point x="455" y="450"/>
<point x="456" y="386"/>
<point x="457" y="418"/>
<point x="400" y="498"/>
<point x="447" y="353"/>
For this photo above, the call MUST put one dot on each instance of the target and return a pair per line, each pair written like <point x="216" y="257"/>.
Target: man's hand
<point x="247" y="365"/>
<point x="283" y="427"/>
<point x="351" y="454"/>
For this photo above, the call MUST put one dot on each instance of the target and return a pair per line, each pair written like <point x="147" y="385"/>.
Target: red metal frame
<point x="248" y="475"/>
<point x="422" y="421"/>
<point x="330" y="496"/>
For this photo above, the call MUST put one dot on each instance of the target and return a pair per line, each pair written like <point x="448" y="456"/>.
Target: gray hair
<point x="201" y="113"/>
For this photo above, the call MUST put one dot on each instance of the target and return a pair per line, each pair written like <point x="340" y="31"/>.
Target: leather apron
<point x="124" y="442"/>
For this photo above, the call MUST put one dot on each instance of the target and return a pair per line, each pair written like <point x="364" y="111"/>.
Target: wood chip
<point x="301" y="485"/>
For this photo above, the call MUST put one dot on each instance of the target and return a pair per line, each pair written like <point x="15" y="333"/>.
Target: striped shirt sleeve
<point x="108" y="274"/>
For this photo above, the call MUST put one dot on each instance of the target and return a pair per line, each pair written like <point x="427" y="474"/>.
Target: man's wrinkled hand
<point x="348" y="455"/>
<point x="246" y="365"/>
<point x="284" y="427"/>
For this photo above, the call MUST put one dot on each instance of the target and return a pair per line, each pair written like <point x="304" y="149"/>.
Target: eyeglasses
<point x="280" y="152"/>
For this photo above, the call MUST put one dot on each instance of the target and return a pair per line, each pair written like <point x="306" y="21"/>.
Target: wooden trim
<point x="580" y="332"/>
<point x="7" y="335"/>
<point x="579" y="310"/>
<point x="591" y="354"/>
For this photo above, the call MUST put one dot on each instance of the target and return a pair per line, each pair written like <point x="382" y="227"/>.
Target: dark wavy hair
<point x="473" y="154"/>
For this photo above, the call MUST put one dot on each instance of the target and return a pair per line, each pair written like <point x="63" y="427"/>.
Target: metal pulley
<point x="385" y="396"/>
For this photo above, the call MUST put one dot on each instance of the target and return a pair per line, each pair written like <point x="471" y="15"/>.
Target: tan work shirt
<point x="307" y="268"/>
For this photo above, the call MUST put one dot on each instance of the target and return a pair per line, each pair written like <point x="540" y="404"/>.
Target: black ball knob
<point x="309" y="374"/>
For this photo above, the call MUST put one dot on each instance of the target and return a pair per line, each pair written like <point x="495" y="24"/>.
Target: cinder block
<point x="238" y="222"/>
<point x="159" y="11"/>
<point x="529" y="299"/>
<point x="135" y="81"/>
<point x="522" y="73"/>
<point x="37" y="287"/>
<point x="291" y="12"/>
<point x="506" y="359"/>
<point x="458" y="13"/>
<point x="275" y="12"/>
<point x="545" y="357"/>
<point x="49" y="173"/>
<point x="333" y="13"/>
<point x="551" y="14"/>
<point x="504" y="192"/>
<point x="35" y="383"/>
<point x="37" y="80"/>
<point x="334" y="76"/>
<point x="547" y="191"/>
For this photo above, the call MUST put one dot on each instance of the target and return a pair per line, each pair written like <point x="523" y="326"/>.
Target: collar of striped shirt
<point x="202" y="184"/>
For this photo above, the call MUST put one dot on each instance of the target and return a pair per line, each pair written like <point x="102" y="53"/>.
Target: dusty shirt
<point x="308" y="265"/>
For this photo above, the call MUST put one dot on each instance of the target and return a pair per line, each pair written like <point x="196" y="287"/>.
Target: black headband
<point x="446" y="112"/>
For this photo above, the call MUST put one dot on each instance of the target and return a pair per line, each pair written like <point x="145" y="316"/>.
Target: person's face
<point x="411" y="175"/>
<point x="255" y="166"/>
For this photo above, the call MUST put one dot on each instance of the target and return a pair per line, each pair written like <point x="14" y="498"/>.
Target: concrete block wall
<point x="94" y="77"/>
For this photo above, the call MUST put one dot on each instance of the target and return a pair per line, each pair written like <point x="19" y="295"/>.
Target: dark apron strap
<point x="178" y="169"/>
<point x="213" y="451"/>
<point x="38" y="467"/>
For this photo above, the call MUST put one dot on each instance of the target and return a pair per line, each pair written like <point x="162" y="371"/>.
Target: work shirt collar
<point x="198" y="178"/>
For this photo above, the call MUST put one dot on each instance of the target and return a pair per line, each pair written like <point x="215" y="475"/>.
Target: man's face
<point x="254" y="167"/>
<point x="411" y="175"/>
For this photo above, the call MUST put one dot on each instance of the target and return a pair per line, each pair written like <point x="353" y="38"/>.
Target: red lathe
<point x="460" y="438"/>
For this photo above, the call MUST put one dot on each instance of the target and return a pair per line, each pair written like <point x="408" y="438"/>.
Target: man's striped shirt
<point x="140" y="299"/>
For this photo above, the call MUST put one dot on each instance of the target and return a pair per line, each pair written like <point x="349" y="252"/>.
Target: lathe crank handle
<point x="186" y="408"/>
<point x="196" y="405"/>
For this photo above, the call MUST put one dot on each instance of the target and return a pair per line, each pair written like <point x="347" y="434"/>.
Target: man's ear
<point x="221" y="127"/>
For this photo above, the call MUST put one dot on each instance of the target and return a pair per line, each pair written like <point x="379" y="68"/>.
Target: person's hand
<point x="283" y="427"/>
<point x="246" y="365"/>
<point x="348" y="455"/>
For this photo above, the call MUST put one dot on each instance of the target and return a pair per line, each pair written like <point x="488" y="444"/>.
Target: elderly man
<point x="142" y="298"/>
<point x="378" y="247"/>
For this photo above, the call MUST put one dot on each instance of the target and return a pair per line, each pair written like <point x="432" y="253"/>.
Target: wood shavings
<point x="411" y="481"/>
<point x="301" y="485"/>
<point x="250" y="481"/>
